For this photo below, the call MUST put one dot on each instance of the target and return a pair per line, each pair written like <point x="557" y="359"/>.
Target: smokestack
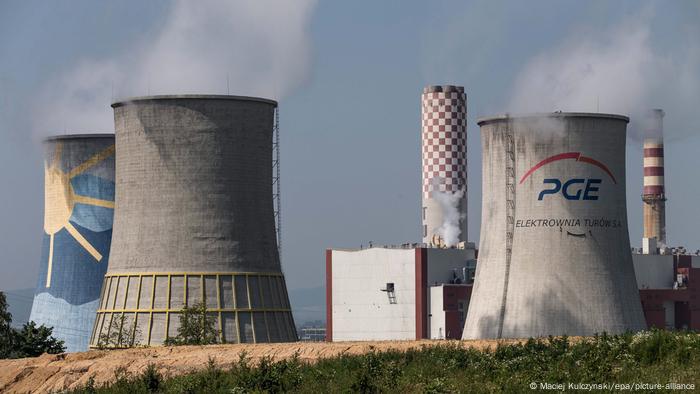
<point x="654" y="196"/>
<point x="444" y="154"/>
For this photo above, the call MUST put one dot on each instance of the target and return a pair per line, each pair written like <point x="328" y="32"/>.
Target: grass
<point x="648" y="357"/>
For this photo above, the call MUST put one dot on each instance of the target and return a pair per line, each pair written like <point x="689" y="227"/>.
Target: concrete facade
<point x="78" y="215"/>
<point x="444" y="161"/>
<point x="553" y="257"/>
<point x="669" y="287"/>
<point x="449" y="304"/>
<point x="360" y="305"/>
<point x="195" y="220"/>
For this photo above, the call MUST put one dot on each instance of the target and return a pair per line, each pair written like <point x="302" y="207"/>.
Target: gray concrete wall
<point x="194" y="200"/>
<point x="573" y="278"/>
<point x="654" y="271"/>
<point x="194" y="186"/>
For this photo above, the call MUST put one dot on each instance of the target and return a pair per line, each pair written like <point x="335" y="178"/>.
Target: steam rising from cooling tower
<point x="444" y="159"/>
<point x="654" y="194"/>
<point x="553" y="256"/>
<point x="195" y="221"/>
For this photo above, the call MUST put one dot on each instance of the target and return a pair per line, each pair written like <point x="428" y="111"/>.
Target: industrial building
<point x="397" y="293"/>
<point x="669" y="287"/>
<point x="195" y="221"/>
<point x="421" y="290"/>
<point x="78" y="213"/>
<point x="668" y="278"/>
<point x="554" y="254"/>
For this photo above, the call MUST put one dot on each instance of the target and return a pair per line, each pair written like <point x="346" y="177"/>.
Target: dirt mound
<point x="52" y="373"/>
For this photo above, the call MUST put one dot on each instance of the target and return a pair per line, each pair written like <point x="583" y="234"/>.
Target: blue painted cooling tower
<point x="79" y="210"/>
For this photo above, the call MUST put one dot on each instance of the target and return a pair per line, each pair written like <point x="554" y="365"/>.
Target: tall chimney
<point x="654" y="195"/>
<point x="444" y="156"/>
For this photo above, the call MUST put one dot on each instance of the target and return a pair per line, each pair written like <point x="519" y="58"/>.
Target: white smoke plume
<point x="614" y="71"/>
<point x="256" y="47"/>
<point x="450" y="230"/>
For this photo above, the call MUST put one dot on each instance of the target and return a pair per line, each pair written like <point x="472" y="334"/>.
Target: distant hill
<point x="308" y="304"/>
<point x="20" y="305"/>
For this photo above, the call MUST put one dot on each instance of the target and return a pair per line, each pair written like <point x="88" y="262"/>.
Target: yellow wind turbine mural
<point x="61" y="198"/>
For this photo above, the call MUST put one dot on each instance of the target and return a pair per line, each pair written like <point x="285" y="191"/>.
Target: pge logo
<point x="571" y="189"/>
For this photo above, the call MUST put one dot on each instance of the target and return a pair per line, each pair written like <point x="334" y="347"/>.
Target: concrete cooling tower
<point x="78" y="212"/>
<point x="554" y="256"/>
<point x="444" y="155"/>
<point x="195" y="221"/>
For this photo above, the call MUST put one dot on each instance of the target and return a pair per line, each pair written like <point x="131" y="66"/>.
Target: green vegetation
<point x="647" y="357"/>
<point x="196" y="327"/>
<point x="122" y="333"/>
<point x="29" y="341"/>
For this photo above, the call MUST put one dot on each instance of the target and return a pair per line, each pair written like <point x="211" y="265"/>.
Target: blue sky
<point x="348" y="76"/>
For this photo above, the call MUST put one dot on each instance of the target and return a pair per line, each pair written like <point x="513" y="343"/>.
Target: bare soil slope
<point x="53" y="373"/>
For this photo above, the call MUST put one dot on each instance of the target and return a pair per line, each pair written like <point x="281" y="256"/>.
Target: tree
<point x="196" y="327"/>
<point x="6" y="331"/>
<point x="122" y="333"/>
<point x="30" y="341"/>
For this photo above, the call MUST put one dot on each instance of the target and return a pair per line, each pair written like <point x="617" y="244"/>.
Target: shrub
<point x="121" y="333"/>
<point x="655" y="356"/>
<point x="29" y="341"/>
<point x="197" y="327"/>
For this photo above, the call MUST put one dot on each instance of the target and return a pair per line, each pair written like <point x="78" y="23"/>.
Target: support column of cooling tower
<point x="444" y="164"/>
<point x="654" y="196"/>
<point x="553" y="255"/>
<point x="78" y="214"/>
<point x="510" y="218"/>
<point x="196" y="222"/>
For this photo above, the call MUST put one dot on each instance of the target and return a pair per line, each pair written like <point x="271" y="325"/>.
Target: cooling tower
<point x="554" y="256"/>
<point x="654" y="195"/>
<point x="195" y="221"/>
<point x="444" y="154"/>
<point x="78" y="212"/>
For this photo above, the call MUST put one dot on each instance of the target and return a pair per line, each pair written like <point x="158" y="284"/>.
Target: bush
<point x="29" y="341"/>
<point x="653" y="356"/>
<point x="122" y="333"/>
<point x="197" y="327"/>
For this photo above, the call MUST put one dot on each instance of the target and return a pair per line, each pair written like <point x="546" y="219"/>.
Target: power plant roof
<point x="122" y="102"/>
<point x="489" y="119"/>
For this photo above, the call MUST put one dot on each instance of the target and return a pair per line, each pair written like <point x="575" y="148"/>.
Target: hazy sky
<point x="348" y="76"/>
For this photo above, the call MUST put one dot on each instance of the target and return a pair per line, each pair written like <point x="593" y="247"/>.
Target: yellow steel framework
<point x="115" y="282"/>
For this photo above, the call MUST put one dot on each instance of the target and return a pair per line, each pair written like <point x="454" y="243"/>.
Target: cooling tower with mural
<point x="79" y="208"/>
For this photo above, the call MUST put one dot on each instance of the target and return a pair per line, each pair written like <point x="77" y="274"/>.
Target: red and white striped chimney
<point x="654" y="195"/>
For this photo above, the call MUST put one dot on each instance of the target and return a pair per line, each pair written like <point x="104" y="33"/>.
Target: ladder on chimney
<point x="276" y="187"/>
<point x="510" y="217"/>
